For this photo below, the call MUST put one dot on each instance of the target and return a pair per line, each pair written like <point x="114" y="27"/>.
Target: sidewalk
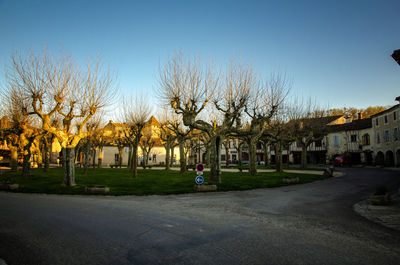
<point x="385" y="215"/>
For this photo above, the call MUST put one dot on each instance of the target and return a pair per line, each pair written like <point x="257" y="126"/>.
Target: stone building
<point x="386" y="145"/>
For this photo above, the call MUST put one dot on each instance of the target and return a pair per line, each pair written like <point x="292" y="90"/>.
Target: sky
<point x="336" y="52"/>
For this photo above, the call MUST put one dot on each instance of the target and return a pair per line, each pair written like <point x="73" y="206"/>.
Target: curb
<point x="384" y="215"/>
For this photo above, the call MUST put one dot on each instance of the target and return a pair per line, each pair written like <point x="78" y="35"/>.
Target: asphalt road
<point x="301" y="224"/>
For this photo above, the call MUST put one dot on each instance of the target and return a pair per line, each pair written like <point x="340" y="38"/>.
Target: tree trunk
<point x="167" y="152"/>
<point x="278" y="157"/>
<point x="14" y="158"/>
<point x="252" y="156"/>
<point x="288" y="156"/>
<point x="226" y="155"/>
<point x="240" y="151"/>
<point x="134" y="160"/>
<point x="215" y="159"/>
<point x="86" y="158"/>
<point x="46" y="157"/>
<point x="100" y="159"/>
<point x="303" y="156"/>
<point x="120" y="149"/>
<point x="130" y="157"/>
<point x="40" y="158"/>
<point x="26" y="166"/>
<point x="266" y="158"/>
<point x="182" y="156"/>
<point x="69" y="166"/>
<point x="94" y="158"/>
<point x="172" y="155"/>
<point x="145" y="158"/>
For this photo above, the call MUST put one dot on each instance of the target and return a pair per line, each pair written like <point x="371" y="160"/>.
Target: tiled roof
<point x="352" y="126"/>
<point x="320" y="121"/>
<point x="153" y="121"/>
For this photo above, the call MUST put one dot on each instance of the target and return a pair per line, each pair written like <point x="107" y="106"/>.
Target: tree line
<point x="50" y="97"/>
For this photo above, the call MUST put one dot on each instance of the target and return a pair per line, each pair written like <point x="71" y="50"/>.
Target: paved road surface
<point x="303" y="224"/>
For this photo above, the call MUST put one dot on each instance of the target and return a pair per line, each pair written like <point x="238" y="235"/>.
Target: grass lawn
<point x="148" y="182"/>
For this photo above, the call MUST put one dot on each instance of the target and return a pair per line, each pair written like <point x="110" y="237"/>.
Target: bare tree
<point x="146" y="143"/>
<point x="307" y="125"/>
<point x="55" y="86"/>
<point x="135" y="115"/>
<point x="22" y="135"/>
<point x="182" y="135"/>
<point x="278" y="132"/>
<point x="188" y="89"/>
<point x="238" y="145"/>
<point x="168" y="139"/>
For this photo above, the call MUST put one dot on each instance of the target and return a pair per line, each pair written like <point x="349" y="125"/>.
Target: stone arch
<point x="368" y="158"/>
<point x="379" y="159"/>
<point x="398" y="158"/>
<point x="389" y="158"/>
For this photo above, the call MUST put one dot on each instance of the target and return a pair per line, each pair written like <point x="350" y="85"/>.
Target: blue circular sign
<point x="199" y="180"/>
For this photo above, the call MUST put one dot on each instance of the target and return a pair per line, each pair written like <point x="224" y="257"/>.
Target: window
<point x="386" y="136"/>
<point x="365" y="139"/>
<point x="353" y="138"/>
<point x="377" y="121"/>
<point x="336" y="140"/>
<point x="223" y="157"/>
<point x="396" y="134"/>
<point x="116" y="158"/>
<point x="386" y="120"/>
<point x="378" y="138"/>
<point x="394" y="116"/>
<point x="154" y="158"/>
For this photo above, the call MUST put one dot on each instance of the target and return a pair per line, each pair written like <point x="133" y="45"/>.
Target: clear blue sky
<point x="335" y="51"/>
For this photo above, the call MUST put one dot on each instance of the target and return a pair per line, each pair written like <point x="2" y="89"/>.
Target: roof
<point x="326" y="120"/>
<point x="352" y="126"/>
<point x="153" y="121"/>
<point x="321" y="120"/>
<point x="385" y="111"/>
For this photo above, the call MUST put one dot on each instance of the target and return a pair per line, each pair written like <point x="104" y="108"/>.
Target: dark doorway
<point x="389" y="159"/>
<point x="380" y="159"/>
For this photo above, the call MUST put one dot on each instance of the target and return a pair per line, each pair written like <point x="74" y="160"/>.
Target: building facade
<point x="386" y="144"/>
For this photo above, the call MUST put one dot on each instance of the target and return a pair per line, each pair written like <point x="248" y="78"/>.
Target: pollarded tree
<point x="278" y="132"/>
<point x="146" y="143"/>
<point x="22" y="135"/>
<point x="136" y="113"/>
<point x="188" y="89"/>
<point x="262" y="106"/>
<point x="182" y="134"/>
<point x="168" y="139"/>
<point x="55" y="86"/>
<point x="307" y="125"/>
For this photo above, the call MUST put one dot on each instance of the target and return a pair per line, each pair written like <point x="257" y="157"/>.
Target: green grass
<point x="148" y="182"/>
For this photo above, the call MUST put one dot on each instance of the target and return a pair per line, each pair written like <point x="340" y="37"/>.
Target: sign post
<point x="200" y="185"/>
<point x="199" y="178"/>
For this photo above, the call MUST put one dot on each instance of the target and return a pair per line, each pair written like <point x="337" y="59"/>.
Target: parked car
<point x="338" y="161"/>
<point x="245" y="162"/>
<point x="261" y="162"/>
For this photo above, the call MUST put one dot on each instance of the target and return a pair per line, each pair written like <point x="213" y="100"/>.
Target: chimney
<point x="397" y="99"/>
<point x="360" y="115"/>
